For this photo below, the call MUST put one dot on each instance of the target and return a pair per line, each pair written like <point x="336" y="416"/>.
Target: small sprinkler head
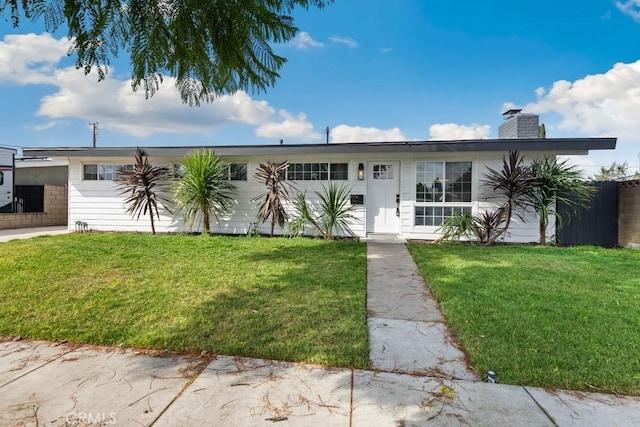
<point x="491" y="377"/>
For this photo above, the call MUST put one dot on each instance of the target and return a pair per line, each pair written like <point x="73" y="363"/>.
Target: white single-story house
<point x="400" y="188"/>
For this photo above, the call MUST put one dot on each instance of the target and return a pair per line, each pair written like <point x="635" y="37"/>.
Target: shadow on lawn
<point x="308" y="305"/>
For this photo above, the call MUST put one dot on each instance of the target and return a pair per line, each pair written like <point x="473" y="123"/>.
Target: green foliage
<point x="614" y="171"/>
<point x="512" y="185"/>
<point x="272" y="175"/>
<point x="484" y="227"/>
<point x="542" y="132"/>
<point x="556" y="182"/>
<point x="458" y="226"/>
<point x="144" y="185"/>
<point x="487" y="225"/>
<point x="203" y="187"/>
<point x="210" y="47"/>
<point x="303" y="217"/>
<point x="542" y="316"/>
<point x="335" y="212"/>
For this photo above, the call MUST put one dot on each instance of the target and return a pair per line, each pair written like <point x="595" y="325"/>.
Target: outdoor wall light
<point x="360" y="171"/>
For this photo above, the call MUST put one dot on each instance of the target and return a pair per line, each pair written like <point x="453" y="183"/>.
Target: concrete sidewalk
<point x="48" y="384"/>
<point x="419" y="378"/>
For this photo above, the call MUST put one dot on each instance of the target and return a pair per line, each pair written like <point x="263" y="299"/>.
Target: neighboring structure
<point x="41" y="171"/>
<point x="39" y="195"/>
<point x="401" y="188"/>
<point x="7" y="159"/>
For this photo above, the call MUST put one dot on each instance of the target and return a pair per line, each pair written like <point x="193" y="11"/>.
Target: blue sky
<point x="369" y="70"/>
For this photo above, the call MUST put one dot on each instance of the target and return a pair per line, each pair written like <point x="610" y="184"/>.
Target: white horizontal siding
<point x="519" y="231"/>
<point x="99" y="205"/>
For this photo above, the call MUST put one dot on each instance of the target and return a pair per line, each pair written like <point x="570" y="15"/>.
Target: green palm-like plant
<point x="335" y="212"/>
<point x="556" y="182"/>
<point x="512" y="184"/>
<point x="272" y="175"/>
<point x="303" y="215"/>
<point x="458" y="226"/>
<point x="203" y="187"/>
<point x="144" y="185"/>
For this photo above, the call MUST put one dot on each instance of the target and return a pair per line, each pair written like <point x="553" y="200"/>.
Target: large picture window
<point x="443" y="182"/>
<point x="433" y="216"/>
<point x="442" y="189"/>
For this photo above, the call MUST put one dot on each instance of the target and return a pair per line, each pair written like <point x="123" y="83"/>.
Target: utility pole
<point x="95" y="132"/>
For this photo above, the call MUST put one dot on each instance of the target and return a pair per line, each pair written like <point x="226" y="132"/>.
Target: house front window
<point x="234" y="172"/>
<point x="442" y="190"/>
<point x="317" y="171"/>
<point x="238" y="172"/>
<point x="103" y="172"/>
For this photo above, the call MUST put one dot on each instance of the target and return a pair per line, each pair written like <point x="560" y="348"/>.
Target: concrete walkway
<point x="27" y="233"/>
<point x="419" y="379"/>
<point x="407" y="332"/>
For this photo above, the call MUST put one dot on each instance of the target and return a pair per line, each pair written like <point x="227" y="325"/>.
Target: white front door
<point x="383" y="187"/>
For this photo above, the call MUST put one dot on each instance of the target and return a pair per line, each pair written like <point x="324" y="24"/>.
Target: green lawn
<point x="285" y="299"/>
<point x="542" y="316"/>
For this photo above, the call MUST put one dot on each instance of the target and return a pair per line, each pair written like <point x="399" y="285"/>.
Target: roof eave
<point x="484" y="145"/>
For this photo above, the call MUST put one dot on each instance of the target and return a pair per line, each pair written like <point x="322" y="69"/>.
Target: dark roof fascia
<point x="498" y="145"/>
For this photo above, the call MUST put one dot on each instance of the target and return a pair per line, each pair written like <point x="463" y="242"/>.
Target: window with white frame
<point x="442" y="190"/>
<point x="103" y="172"/>
<point x="383" y="171"/>
<point x="317" y="171"/>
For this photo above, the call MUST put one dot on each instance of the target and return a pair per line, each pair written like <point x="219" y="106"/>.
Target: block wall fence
<point x="55" y="211"/>
<point x="629" y="213"/>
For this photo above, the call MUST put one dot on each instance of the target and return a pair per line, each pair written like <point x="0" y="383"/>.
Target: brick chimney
<point x="519" y="125"/>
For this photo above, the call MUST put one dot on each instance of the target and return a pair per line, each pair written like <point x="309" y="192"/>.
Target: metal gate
<point x="29" y="198"/>
<point x="595" y="225"/>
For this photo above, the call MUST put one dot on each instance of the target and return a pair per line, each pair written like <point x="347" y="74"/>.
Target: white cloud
<point x="304" y="41"/>
<point x="386" y="49"/>
<point x="30" y="58"/>
<point x="348" y="41"/>
<point x="113" y="103"/>
<point x="291" y="126"/>
<point x="605" y="104"/>
<point x="630" y="7"/>
<point x="452" y="131"/>
<point x="345" y="133"/>
<point x="585" y="164"/>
